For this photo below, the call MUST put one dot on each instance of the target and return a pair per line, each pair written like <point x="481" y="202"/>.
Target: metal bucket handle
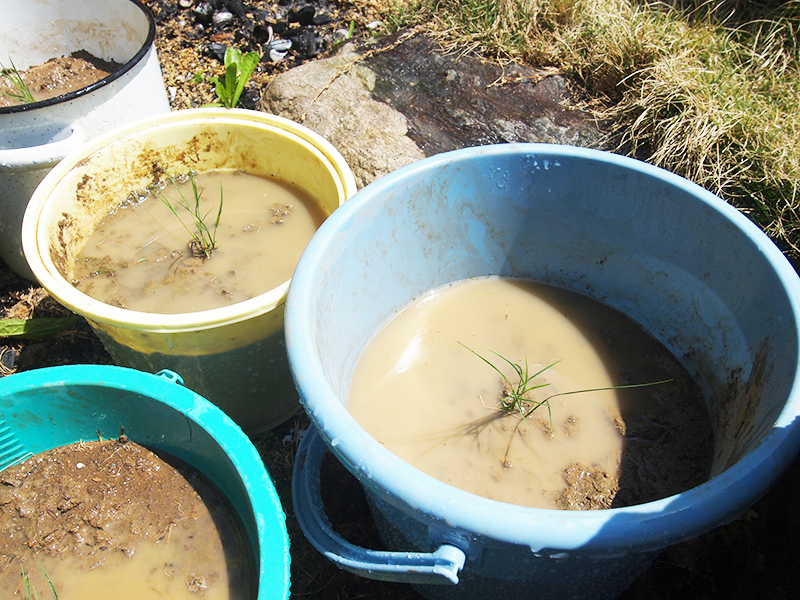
<point x="440" y="567"/>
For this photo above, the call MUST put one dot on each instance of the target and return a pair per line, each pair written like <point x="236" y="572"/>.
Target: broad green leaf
<point x="231" y="75"/>
<point x="246" y="67"/>
<point x="232" y="56"/>
<point x="222" y="93"/>
<point x="35" y="328"/>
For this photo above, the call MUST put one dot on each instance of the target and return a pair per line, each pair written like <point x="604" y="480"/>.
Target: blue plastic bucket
<point x="46" y="408"/>
<point x="692" y="270"/>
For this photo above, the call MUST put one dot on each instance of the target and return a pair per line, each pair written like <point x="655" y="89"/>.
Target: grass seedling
<point x="204" y="240"/>
<point x="238" y="69"/>
<point x="514" y="401"/>
<point x="30" y="591"/>
<point x="350" y="31"/>
<point x="22" y="93"/>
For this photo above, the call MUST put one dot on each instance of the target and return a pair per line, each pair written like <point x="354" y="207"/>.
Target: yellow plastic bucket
<point x="234" y="356"/>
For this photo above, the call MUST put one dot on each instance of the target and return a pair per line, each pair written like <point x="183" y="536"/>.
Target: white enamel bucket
<point x="34" y="137"/>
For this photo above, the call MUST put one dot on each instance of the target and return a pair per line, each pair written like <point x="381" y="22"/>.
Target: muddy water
<point x="140" y="257"/>
<point x="110" y="518"/>
<point x="57" y="76"/>
<point x="438" y="406"/>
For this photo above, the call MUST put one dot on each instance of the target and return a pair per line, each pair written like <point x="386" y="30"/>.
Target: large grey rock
<point x="371" y="135"/>
<point x="394" y="102"/>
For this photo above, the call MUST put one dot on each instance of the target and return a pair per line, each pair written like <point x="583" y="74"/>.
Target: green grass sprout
<point x="30" y="590"/>
<point x="22" y="92"/>
<point x="514" y="400"/>
<point x="204" y="239"/>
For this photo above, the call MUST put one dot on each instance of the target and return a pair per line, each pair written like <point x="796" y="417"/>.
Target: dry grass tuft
<point x="707" y="89"/>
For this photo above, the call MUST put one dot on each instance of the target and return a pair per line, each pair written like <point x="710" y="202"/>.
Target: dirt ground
<point x="756" y="556"/>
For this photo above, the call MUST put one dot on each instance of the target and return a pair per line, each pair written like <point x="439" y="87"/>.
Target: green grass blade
<point x="23" y="92"/>
<point x="169" y="205"/>
<point x="488" y="362"/>
<point x="219" y="216"/>
<point x="222" y="93"/>
<point x="26" y="582"/>
<point x="517" y="400"/>
<point x="610" y="388"/>
<point x="204" y="238"/>
<point x="49" y="581"/>
<point x="197" y="216"/>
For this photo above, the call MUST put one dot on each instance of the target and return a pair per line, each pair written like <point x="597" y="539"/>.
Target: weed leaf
<point x="35" y="329"/>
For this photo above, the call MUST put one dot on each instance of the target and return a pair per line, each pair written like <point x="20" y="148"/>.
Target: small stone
<point x="276" y="56"/>
<point x="303" y="15"/>
<point x="304" y="43"/>
<point x="185" y="3"/>
<point x="222" y="18"/>
<point x="341" y="35"/>
<point x="203" y="12"/>
<point x="250" y="99"/>
<point x="374" y="25"/>
<point x="236" y="7"/>
<point x="217" y="51"/>
<point x="280" y="45"/>
<point x="8" y="359"/>
<point x="322" y="19"/>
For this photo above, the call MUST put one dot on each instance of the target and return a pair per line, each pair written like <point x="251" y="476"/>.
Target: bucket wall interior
<point x="34" y="31"/>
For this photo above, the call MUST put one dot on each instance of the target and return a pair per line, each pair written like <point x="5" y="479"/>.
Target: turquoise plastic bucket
<point x="692" y="270"/>
<point x="47" y="408"/>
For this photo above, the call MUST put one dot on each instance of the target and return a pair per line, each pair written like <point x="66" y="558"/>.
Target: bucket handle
<point x="439" y="567"/>
<point x="45" y="144"/>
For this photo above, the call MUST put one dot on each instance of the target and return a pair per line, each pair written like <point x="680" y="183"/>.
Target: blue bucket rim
<point x="266" y="504"/>
<point x="652" y="525"/>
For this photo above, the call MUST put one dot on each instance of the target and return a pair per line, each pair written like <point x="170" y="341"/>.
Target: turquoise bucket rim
<point x="228" y="435"/>
<point x="651" y="525"/>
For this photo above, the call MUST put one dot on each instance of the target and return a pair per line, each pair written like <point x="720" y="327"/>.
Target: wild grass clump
<point x="707" y="89"/>
<point x="516" y="398"/>
<point x="204" y="236"/>
<point x="20" y="90"/>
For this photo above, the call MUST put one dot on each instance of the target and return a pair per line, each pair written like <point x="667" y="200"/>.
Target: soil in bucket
<point x="56" y="77"/>
<point x="147" y="255"/>
<point x="111" y="517"/>
<point x="429" y="387"/>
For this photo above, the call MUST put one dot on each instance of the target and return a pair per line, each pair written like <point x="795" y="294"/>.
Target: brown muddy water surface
<point x="112" y="519"/>
<point x="58" y="76"/>
<point x="140" y="257"/>
<point x="435" y="404"/>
